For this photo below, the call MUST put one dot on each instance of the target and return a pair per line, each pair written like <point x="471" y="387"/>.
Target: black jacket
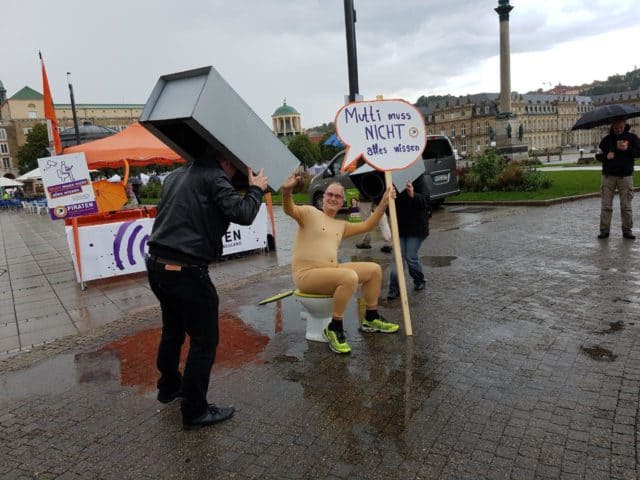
<point x="622" y="163"/>
<point x="413" y="213"/>
<point x="197" y="204"/>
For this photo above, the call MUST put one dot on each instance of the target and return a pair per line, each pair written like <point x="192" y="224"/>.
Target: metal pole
<point x="73" y="109"/>
<point x="352" y="60"/>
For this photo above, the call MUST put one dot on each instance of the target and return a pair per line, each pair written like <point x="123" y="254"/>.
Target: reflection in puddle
<point x="239" y="344"/>
<point x="130" y="361"/>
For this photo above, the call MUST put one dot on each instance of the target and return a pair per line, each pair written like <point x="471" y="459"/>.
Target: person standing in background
<point x="412" y="207"/>
<point x="619" y="149"/>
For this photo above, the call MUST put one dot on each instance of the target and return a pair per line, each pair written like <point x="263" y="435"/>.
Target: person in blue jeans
<point x="412" y="207"/>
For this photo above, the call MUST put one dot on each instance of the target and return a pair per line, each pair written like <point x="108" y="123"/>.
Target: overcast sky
<point x="271" y="49"/>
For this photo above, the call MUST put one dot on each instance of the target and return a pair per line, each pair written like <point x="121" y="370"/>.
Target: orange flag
<point x="49" y="111"/>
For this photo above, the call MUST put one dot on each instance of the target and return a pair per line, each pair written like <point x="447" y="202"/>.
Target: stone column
<point x="505" y="57"/>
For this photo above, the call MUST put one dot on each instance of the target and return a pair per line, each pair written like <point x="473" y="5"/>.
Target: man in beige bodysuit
<point x="314" y="262"/>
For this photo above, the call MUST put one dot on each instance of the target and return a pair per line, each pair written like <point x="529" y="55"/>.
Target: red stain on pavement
<point x="239" y="345"/>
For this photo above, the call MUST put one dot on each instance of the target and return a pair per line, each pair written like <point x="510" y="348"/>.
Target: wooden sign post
<point x="397" y="256"/>
<point x="390" y="136"/>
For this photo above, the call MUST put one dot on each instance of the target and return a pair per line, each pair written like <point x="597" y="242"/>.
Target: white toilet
<point x="316" y="311"/>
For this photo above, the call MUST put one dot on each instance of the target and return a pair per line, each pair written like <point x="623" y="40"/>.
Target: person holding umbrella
<point x="619" y="149"/>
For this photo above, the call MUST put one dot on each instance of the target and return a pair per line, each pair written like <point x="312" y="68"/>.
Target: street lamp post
<point x="352" y="60"/>
<point x="73" y="109"/>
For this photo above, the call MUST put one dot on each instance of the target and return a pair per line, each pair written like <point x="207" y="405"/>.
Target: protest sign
<point x="67" y="185"/>
<point x="388" y="134"/>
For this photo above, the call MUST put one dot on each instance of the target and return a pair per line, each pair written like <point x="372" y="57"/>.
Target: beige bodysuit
<point x="314" y="262"/>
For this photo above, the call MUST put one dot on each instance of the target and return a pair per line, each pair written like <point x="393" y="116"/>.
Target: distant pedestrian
<point x="412" y="207"/>
<point x="619" y="149"/>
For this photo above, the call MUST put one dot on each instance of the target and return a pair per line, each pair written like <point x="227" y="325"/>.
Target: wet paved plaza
<point x="524" y="363"/>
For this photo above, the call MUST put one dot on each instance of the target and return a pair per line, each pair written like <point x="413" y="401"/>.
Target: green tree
<point x="307" y="152"/>
<point x="34" y="148"/>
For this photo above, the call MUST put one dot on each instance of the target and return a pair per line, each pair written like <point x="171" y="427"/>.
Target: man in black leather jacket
<point x="197" y="204"/>
<point x="619" y="150"/>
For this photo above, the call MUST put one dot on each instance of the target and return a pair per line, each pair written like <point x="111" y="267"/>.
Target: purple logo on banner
<point x="75" y="210"/>
<point x="131" y="244"/>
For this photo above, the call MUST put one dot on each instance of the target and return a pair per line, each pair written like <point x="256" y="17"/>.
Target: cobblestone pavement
<point x="524" y="363"/>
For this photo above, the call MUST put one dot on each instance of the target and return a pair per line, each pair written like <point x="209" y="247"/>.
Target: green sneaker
<point x="379" y="325"/>
<point x="337" y="341"/>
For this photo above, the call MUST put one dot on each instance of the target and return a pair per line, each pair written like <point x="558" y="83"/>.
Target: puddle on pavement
<point x="599" y="353"/>
<point x="613" y="327"/>
<point x="131" y="361"/>
<point x="437" y="262"/>
<point x="624" y="300"/>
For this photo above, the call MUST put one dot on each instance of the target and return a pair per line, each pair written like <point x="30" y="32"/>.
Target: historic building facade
<point x="546" y="120"/>
<point x="20" y="112"/>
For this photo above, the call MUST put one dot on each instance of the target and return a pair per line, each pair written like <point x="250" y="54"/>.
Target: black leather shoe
<point x="212" y="415"/>
<point x="363" y="245"/>
<point x="629" y="235"/>
<point x="603" y="235"/>
<point x="169" y="397"/>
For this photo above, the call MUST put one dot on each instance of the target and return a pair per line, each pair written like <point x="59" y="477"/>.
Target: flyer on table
<point x="67" y="185"/>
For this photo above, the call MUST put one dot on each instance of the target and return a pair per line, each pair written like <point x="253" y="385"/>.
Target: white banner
<point x="118" y="248"/>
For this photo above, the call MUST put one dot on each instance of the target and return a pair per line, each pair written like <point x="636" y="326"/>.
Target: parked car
<point x="440" y="172"/>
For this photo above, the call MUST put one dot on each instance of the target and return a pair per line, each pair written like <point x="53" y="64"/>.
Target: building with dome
<point x="286" y="121"/>
<point x="20" y="112"/>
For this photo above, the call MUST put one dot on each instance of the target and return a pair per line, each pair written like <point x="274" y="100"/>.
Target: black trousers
<point x="189" y="304"/>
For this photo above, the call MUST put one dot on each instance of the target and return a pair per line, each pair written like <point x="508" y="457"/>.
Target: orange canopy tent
<point x="135" y="145"/>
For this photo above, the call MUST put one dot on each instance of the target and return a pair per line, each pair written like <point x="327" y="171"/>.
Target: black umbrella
<point x="605" y="115"/>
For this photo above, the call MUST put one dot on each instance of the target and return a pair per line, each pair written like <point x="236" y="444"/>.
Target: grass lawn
<point x="298" y="198"/>
<point x="565" y="184"/>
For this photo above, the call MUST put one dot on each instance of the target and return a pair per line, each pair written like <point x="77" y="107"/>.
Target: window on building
<point x="6" y="163"/>
<point x="26" y="131"/>
<point x="3" y="134"/>
<point x="478" y="128"/>
<point x="32" y="114"/>
<point x="463" y="130"/>
<point x="442" y="116"/>
<point x="4" y="148"/>
<point x="486" y="128"/>
<point x="462" y="113"/>
<point x="453" y="132"/>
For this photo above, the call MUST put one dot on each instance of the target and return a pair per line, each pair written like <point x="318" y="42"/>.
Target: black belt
<point x="176" y="263"/>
